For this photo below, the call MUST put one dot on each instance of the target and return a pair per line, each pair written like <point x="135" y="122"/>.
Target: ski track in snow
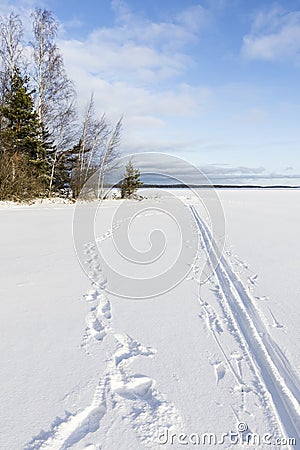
<point x="134" y="397"/>
<point x="275" y="379"/>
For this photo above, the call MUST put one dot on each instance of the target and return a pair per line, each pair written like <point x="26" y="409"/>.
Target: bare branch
<point x="11" y="33"/>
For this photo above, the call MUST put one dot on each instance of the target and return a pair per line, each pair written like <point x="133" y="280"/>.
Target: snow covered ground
<point x="83" y="368"/>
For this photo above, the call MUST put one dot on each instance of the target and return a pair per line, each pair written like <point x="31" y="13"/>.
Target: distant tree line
<point x="45" y="147"/>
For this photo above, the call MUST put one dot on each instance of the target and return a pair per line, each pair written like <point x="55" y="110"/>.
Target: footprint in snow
<point x="264" y="297"/>
<point x="91" y="296"/>
<point x="252" y="280"/>
<point x="136" y="386"/>
<point x="96" y="320"/>
<point x="218" y="326"/>
<point x="220" y="371"/>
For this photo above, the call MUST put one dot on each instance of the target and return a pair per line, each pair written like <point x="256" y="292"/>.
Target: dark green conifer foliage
<point x="27" y="133"/>
<point x="22" y="133"/>
<point x="131" y="182"/>
<point x="24" y="145"/>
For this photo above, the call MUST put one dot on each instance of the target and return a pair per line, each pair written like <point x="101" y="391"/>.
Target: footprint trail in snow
<point x="132" y="396"/>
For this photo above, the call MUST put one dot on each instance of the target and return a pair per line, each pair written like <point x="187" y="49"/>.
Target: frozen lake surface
<point x="84" y="368"/>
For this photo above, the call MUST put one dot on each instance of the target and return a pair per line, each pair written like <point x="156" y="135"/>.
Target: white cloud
<point x="137" y="144"/>
<point x="136" y="49"/>
<point x="225" y="170"/>
<point x="144" y="121"/>
<point x="194" y="18"/>
<point x="176" y="32"/>
<point x="121" y="97"/>
<point x="275" y="35"/>
<point x="128" y="60"/>
<point x="134" y="67"/>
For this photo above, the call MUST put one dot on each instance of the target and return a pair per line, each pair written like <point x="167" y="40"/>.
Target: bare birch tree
<point x="109" y="155"/>
<point x="11" y="33"/>
<point x="96" y="149"/>
<point x="93" y="135"/>
<point x="55" y="93"/>
<point x="44" y="54"/>
<point x="66" y="132"/>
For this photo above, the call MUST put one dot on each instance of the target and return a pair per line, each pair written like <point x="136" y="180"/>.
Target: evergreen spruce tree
<point x="131" y="182"/>
<point x="23" y="138"/>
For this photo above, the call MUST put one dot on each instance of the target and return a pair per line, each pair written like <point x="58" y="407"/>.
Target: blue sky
<point x="216" y="82"/>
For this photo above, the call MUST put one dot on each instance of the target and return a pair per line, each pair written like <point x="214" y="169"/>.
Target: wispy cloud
<point x="177" y="170"/>
<point x="135" y="67"/>
<point x="138" y="49"/>
<point x="248" y="175"/>
<point x="176" y="32"/>
<point x="275" y="35"/>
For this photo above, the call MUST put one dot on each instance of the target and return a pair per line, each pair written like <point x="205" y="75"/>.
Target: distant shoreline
<point x="216" y="186"/>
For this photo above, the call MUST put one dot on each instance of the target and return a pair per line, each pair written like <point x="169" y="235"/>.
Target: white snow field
<point x="198" y="365"/>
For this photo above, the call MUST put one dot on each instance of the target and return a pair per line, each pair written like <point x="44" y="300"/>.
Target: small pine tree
<point x="131" y="182"/>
